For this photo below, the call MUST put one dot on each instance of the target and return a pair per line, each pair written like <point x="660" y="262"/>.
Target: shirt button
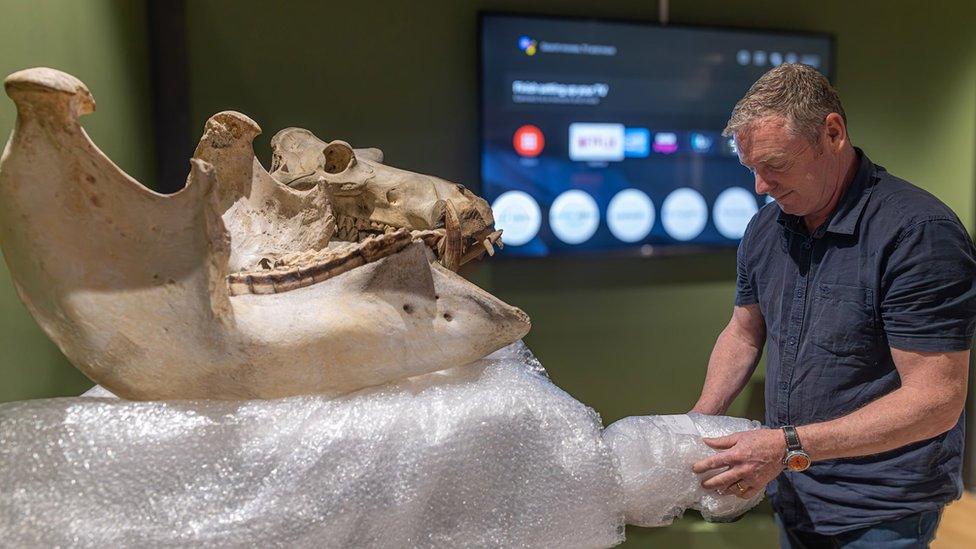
<point x="806" y="245"/>
<point x="792" y="341"/>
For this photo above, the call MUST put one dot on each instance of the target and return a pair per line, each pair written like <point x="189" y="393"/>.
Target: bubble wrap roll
<point x="655" y="455"/>
<point x="490" y="455"/>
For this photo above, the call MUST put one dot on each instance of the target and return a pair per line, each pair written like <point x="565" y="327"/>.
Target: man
<point x="863" y="289"/>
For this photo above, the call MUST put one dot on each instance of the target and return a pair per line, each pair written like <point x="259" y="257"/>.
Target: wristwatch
<point x="796" y="459"/>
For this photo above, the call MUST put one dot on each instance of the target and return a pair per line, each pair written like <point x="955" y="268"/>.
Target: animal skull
<point x="234" y="287"/>
<point x="370" y="197"/>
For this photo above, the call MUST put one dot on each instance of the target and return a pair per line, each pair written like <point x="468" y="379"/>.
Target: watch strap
<point x="792" y="438"/>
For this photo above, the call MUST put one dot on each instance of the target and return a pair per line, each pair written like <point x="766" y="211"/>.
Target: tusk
<point x="488" y="247"/>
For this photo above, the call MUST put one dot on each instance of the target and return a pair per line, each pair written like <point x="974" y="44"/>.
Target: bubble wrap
<point x="655" y="454"/>
<point x="491" y="454"/>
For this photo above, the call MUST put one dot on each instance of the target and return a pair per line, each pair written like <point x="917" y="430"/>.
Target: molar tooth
<point x="287" y="281"/>
<point x="238" y="284"/>
<point x="262" y="284"/>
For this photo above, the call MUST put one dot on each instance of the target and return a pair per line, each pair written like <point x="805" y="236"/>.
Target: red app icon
<point x="528" y="141"/>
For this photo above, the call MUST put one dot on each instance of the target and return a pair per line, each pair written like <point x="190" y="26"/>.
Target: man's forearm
<point x="732" y="362"/>
<point x="904" y="416"/>
<point x="928" y="403"/>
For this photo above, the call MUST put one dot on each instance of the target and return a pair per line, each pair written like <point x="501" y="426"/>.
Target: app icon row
<point x="606" y="142"/>
<point x="761" y="58"/>
<point x="574" y="215"/>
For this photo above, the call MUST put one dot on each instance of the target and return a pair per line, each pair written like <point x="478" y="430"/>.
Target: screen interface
<point x="606" y="136"/>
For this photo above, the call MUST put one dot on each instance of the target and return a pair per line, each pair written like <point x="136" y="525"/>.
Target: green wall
<point x="103" y="43"/>
<point x="624" y="336"/>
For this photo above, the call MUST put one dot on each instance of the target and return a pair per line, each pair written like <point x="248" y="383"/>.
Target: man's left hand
<point x="752" y="458"/>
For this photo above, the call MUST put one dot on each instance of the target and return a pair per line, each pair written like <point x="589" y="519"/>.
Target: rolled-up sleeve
<point x="929" y="288"/>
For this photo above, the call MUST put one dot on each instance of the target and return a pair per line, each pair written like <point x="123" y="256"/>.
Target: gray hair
<point x="798" y="93"/>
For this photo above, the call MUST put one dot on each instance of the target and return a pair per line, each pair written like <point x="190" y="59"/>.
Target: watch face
<point x="797" y="461"/>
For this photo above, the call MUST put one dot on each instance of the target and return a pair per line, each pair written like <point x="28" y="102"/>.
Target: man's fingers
<point x="712" y="472"/>
<point x="723" y="481"/>
<point x="722" y="443"/>
<point x="715" y="461"/>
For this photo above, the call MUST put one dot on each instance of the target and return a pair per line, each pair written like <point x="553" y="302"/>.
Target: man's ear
<point x="836" y="131"/>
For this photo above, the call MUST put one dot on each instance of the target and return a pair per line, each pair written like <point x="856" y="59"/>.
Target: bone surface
<point x="204" y="293"/>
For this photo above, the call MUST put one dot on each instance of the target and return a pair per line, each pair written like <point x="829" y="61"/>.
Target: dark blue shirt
<point x="892" y="267"/>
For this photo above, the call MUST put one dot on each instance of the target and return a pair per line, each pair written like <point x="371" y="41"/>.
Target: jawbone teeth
<point x="283" y="274"/>
<point x="292" y="277"/>
<point x="355" y="229"/>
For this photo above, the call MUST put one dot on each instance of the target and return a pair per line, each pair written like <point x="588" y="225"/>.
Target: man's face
<point x="787" y="167"/>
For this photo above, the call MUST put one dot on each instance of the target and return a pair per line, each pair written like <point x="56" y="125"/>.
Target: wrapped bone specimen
<point x="490" y="454"/>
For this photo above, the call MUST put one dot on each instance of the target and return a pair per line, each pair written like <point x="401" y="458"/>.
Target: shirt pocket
<point x="843" y="320"/>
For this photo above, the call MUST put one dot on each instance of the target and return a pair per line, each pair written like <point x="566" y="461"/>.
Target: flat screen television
<point x="604" y="137"/>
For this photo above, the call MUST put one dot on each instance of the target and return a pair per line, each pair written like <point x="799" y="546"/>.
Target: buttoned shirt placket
<point x="794" y="328"/>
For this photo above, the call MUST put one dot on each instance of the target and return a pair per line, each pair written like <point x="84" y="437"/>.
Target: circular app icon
<point x="574" y="217"/>
<point x="528" y="141"/>
<point x="684" y="214"/>
<point x="630" y="215"/>
<point x="518" y="216"/>
<point x="733" y="209"/>
<point x="743" y="57"/>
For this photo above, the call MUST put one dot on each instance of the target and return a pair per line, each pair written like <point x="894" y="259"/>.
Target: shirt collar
<point x="848" y="211"/>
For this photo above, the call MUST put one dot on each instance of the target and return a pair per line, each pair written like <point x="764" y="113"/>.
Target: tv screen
<point x="603" y="136"/>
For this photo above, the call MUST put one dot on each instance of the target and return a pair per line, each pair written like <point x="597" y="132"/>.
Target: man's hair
<point x="798" y="93"/>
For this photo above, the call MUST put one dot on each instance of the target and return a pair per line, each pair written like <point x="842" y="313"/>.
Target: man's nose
<point x="762" y="187"/>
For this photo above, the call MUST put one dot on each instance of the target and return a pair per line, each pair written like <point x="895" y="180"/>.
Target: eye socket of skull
<point x="339" y="157"/>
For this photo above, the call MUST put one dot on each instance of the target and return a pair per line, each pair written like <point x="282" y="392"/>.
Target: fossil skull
<point x="234" y="287"/>
<point x="370" y="197"/>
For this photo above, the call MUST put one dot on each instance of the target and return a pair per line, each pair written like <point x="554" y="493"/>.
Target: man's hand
<point x="748" y="461"/>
